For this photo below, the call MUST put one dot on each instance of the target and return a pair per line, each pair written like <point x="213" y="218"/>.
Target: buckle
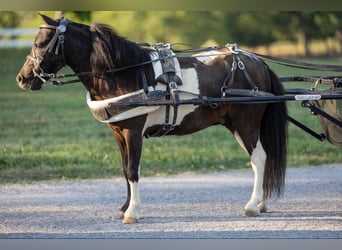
<point x="173" y="85"/>
<point x="168" y="127"/>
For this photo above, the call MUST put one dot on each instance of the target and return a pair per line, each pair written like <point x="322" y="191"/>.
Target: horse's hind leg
<point x="245" y="127"/>
<point x="256" y="204"/>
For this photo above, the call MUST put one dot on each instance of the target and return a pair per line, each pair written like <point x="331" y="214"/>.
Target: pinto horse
<point x="112" y="68"/>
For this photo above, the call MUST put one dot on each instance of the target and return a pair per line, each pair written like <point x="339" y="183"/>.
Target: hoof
<point x="251" y="213"/>
<point x="119" y="216"/>
<point x="129" y="220"/>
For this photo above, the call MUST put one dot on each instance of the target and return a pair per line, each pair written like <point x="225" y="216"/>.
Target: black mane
<point x="110" y="51"/>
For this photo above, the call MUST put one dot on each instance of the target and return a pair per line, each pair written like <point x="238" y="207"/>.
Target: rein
<point x="52" y="77"/>
<point x="59" y="76"/>
<point x="57" y="42"/>
<point x="59" y="83"/>
<point x="301" y="65"/>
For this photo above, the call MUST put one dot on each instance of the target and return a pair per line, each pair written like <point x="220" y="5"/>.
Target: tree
<point x="9" y="19"/>
<point x="263" y="28"/>
<point x="250" y="28"/>
<point x="306" y="26"/>
<point x="338" y="31"/>
<point x="193" y="27"/>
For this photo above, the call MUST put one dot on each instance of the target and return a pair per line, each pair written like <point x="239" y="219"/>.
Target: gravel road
<point x="182" y="206"/>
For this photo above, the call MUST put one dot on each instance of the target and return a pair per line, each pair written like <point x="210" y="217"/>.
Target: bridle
<point x="56" y="44"/>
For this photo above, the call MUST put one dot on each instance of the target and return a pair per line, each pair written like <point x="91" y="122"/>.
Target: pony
<point x="114" y="69"/>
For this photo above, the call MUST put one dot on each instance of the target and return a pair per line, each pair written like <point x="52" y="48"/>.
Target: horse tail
<point x="273" y="137"/>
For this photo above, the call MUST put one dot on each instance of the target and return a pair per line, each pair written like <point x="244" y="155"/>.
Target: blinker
<point x="61" y="28"/>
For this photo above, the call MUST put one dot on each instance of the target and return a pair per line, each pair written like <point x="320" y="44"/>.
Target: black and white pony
<point x="114" y="69"/>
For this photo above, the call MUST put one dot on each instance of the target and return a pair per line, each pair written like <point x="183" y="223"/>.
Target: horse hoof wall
<point x="250" y="213"/>
<point x="129" y="220"/>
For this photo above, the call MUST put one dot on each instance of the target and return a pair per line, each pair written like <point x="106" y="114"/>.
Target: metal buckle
<point x="62" y="28"/>
<point x="173" y="85"/>
<point x="168" y="127"/>
<point x="241" y="65"/>
<point x="223" y="91"/>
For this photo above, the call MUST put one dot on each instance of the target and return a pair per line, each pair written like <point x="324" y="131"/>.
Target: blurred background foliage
<point x="202" y="27"/>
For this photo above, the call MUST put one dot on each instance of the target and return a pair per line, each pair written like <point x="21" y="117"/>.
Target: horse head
<point x="47" y="54"/>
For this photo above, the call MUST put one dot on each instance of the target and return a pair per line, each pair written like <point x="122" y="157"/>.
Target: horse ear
<point x="47" y="19"/>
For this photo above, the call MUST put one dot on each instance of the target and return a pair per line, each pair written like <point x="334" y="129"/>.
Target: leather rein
<point x="57" y="42"/>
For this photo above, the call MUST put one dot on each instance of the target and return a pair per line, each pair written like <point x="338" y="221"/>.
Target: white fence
<point x="17" y="37"/>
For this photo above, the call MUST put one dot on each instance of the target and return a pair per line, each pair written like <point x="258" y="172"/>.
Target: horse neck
<point x="103" y="86"/>
<point x="77" y="54"/>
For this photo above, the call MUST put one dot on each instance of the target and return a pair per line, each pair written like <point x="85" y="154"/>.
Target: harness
<point x="167" y="73"/>
<point x="106" y="111"/>
<point x="238" y="64"/>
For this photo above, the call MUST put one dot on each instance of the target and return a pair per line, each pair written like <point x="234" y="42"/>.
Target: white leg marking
<point x="134" y="203"/>
<point x="258" y="159"/>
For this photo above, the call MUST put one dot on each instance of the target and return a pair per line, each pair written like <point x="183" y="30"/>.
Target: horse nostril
<point x="19" y="78"/>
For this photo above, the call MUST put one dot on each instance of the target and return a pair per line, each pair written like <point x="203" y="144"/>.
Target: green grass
<point x="50" y="134"/>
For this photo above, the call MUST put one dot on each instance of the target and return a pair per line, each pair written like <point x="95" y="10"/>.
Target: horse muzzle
<point x="32" y="83"/>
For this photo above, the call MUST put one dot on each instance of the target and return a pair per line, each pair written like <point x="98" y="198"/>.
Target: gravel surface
<point x="182" y="206"/>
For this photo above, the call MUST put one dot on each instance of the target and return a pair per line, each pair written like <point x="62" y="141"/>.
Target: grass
<point x="51" y="134"/>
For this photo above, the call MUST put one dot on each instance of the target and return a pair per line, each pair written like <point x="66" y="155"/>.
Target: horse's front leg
<point x="130" y="144"/>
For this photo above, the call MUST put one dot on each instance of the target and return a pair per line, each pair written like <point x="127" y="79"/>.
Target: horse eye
<point x="39" y="45"/>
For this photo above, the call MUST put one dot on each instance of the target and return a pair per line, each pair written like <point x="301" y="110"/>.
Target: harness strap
<point x="167" y="127"/>
<point x="301" y="65"/>
<point x="170" y="78"/>
<point x="237" y="63"/>
<point x="242" y="67"/>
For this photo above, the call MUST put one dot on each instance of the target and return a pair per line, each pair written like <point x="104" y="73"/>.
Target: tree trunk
<point x="307" y="52"/>
<point x="338" y="37"/>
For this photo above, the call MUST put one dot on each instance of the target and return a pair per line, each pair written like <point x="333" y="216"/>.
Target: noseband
<point x="56" y="43"/>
